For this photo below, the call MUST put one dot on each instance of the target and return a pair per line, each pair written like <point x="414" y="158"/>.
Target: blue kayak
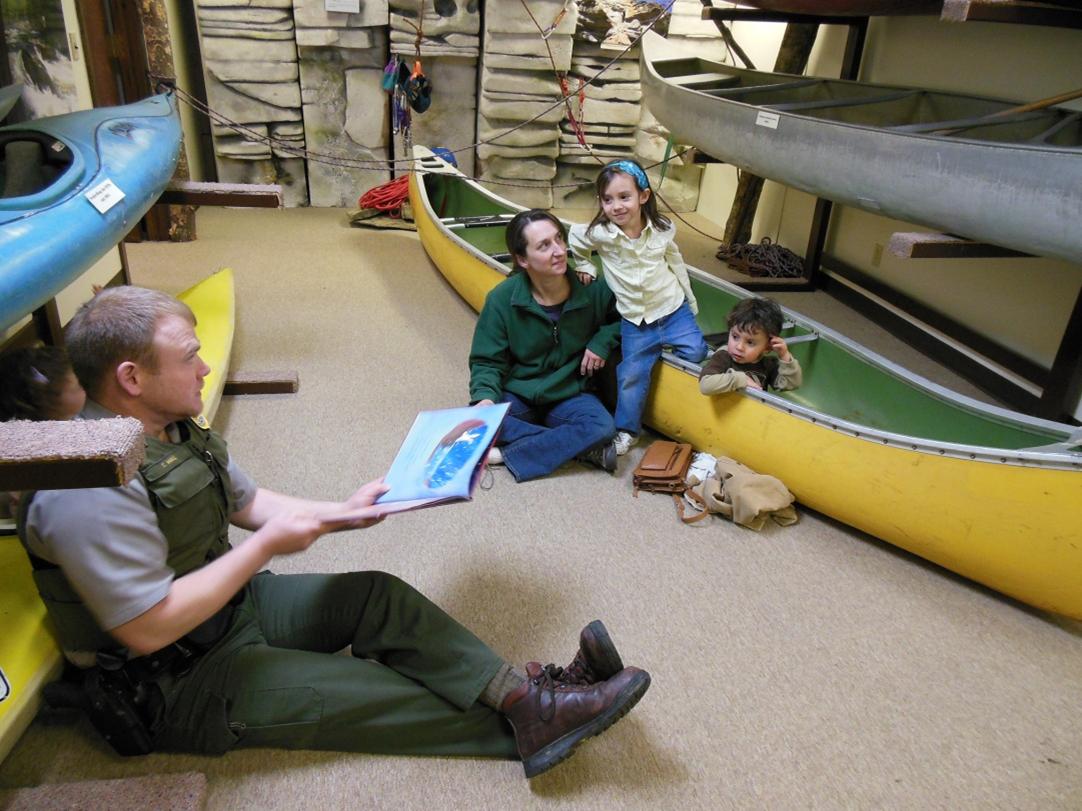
<point x="71" y="187"/>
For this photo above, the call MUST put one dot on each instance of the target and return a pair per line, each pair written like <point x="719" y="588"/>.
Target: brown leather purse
<point x="664" y="469"/>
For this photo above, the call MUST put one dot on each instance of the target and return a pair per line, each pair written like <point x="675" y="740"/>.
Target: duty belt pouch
<point x="117" y="708"/>
<point x="664" y="469"/>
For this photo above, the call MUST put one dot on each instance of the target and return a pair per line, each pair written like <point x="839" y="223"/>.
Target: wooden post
<point x="160" y="61"/>
<point x="793" y="56"/>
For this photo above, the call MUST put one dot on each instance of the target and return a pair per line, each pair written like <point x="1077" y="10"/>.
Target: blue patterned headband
<point x="634" y="170"/>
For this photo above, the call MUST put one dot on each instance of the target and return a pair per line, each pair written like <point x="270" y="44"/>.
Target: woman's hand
<point x="590" y="363"/>
<point x="584" y="278"/>
<point x="486" y="401"/>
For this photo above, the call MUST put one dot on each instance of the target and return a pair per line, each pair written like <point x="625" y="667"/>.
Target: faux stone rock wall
<point x="518" y="84"/>
<point x="309" y="79"/>
<point x="346" y="116"/>
<point x="252" y="78"/>
<point x="543" y="164"/>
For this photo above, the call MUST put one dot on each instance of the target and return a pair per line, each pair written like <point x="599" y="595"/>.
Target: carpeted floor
<point x="807" y="667"/>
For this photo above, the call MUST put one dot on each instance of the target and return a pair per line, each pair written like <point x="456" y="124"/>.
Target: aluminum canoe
<point x="932" y="158"/>
<point x="50" y="232"/>
<point x="985" y="492"/>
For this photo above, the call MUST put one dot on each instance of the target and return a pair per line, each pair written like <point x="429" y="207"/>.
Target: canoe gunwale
<point x="1055" y="460"/>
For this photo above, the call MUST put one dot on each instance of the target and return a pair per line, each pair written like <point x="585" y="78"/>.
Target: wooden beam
<point x="261" y="383"/>
<point x="63" y="454"/>
<point x="188" y="192"/>
<point x="1012" y="11"/>
<point x="920" y="245"/>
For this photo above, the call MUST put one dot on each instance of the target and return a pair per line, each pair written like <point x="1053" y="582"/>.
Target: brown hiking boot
<point x="551" y="718"/>
<point x="596" y="659"/>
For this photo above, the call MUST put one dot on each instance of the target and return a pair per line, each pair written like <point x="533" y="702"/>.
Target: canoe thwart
<point x="246" y="195"/>
<point x="477" y="221"/>
<point x="279" y="382"/>
<point x="59" y="455"/>
<point x="1071" y="444"/>
<point x="921" y="245"/>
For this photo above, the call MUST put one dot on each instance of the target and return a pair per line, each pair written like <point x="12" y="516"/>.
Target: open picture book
<point x="441" y="459"/>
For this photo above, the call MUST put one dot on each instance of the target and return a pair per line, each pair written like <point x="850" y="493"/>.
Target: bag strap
<point x="679" y="502"/>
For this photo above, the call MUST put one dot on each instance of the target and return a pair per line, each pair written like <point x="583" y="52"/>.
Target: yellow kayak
<point x="29" y="656"/>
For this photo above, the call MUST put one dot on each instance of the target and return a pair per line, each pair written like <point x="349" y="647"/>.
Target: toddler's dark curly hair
<point x="757" y="313"/>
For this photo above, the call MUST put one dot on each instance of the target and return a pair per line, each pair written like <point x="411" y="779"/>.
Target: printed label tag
<point x="348" y="6"/>
<point x="767" y="119"/>
<point x="104" y="196"/>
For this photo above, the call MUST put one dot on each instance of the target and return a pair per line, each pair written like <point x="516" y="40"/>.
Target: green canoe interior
<point x="837" y="382"/>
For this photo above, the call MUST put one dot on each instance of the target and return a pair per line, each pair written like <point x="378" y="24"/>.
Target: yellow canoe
<point x="988" y="493"/>
<point x="29" y="656"/>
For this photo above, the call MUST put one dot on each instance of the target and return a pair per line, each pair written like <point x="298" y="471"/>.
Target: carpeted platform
<point x="167" y="792"/>
<point x="800" y="667"/>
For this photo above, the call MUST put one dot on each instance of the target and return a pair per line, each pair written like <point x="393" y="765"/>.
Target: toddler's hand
<point x="753" y="383"/>
<point x="777" y="343"/>
<point x="585" y="278"/>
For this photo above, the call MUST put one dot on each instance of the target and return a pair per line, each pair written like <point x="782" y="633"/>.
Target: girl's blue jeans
<point x="642" y="345"/>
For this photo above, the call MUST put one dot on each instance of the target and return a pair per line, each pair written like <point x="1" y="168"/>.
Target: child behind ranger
<point x="646" y="273"/>
<point x="36" y="383"/>
<point x="754" y="330"/>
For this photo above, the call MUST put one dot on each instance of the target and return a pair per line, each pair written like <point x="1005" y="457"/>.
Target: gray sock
<point x="506" y="680"/>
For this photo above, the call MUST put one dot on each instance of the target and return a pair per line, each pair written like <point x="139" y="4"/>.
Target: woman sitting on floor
<point x="541" y="338"/>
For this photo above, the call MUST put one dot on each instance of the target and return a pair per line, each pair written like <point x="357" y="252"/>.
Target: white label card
<point x="104" y="196"/>
<point x="767" y="119"/>
<point x="348" y="6"/>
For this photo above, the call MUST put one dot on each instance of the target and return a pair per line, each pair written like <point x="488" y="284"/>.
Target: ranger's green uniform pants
<point x="277" y="678"/>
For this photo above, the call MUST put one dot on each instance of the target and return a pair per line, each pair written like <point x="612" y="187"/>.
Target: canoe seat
<point x="478" y="221"/>
<point x="707" y="81"/>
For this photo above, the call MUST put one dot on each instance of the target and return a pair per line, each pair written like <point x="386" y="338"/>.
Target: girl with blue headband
<point x="646" y="273"/>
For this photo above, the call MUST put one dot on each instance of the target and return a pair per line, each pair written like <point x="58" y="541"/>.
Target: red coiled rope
<point x="387" y="198"/>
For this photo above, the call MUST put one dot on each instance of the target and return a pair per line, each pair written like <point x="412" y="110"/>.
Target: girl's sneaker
<point x="624" y="441"/>
<point x="495" y="456"/>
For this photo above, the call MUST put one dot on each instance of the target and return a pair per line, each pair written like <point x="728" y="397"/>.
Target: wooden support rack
<point x="921" y="245"/>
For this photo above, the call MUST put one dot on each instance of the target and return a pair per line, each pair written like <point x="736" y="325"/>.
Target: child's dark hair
<point x="515" y="235"/>
<point x="757" y="313"/>
<point x="31" y="381"/>
<point x="633" y="170"/>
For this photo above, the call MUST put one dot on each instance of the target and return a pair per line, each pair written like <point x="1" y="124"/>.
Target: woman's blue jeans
<point x="642" y="345"/>
<point x="535" y="440"/>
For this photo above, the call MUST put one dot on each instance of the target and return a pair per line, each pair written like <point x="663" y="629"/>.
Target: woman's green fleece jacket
<point x="518" y="349"/>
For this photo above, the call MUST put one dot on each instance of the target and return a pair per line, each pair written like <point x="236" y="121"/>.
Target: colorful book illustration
<point x="442" y="457"/>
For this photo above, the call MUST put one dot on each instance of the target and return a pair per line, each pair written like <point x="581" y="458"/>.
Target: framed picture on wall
<point x="35" y="54"/>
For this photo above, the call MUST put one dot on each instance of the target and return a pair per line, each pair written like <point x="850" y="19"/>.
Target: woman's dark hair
<point x="515" y="235"/>
<point x="656" y="218"/>
<point x="757" y="313"/>
<point x="31" y="382"/>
